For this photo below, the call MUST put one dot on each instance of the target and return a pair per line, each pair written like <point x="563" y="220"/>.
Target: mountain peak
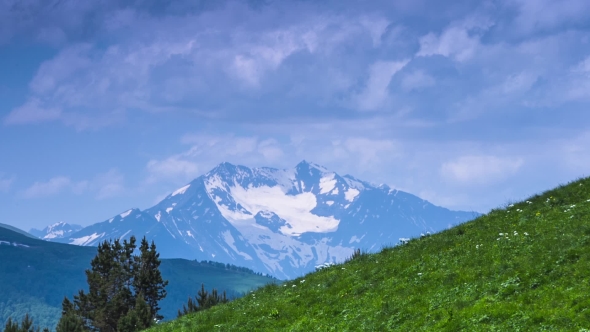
<point x="282" y="222"/>
<point x="58" y="230"/>
<point x="304" y="164"/>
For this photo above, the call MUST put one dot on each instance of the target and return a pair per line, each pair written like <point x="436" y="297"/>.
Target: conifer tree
<point x="69" y="321"/>
<point x="26" y="325"/>
<point x="148" y="279"/>
<point x="123" y="290"/>
<point x="204" y="300"/>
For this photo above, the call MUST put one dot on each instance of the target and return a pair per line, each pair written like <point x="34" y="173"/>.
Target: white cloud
<point x="54" y="186"/>
<point x="109" y="184"/>
<point x="172" y="167"/>
<point x="576" y="153"/>
<point x="518" y="83"/>
<point x="376" y="27"/>
<point x="416" y="80"/>
<point x="454" y="42"/>
<point x="535" y="15"/>
<point x="369" y="151"/>
<point x="32" y="112"/>
<point x="579" y="83"/>
<point x="6" y="183"/>
<point x="376" y="93"/>
<point x="270" y="149"/>
<point x="480" y="169"/>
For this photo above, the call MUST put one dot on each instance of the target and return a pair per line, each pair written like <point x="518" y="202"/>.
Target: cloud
<point x="416" y="80"/>
<point x="109" y="184"/>
<point x="480" y="169"/>
<point x="454" y="42"/>
<point x="32" y="112"/>
<point x="199" y="64"/>
<point x="6" y="183"/>
<point x="54" y="186"/>
<point x="539" y="15"/>
<point x="270" y="149"/>
<point x="376" y="27"/>
<point x="375" y="93"/>
<point x="575" y="153"/>
<point x="369" y="150"/>
<point x="172" y="167"/>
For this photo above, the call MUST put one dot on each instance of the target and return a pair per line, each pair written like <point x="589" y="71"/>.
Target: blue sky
<point x="108" y="105"/>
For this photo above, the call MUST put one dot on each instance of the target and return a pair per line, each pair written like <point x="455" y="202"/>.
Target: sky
<point x="108" y="105"/>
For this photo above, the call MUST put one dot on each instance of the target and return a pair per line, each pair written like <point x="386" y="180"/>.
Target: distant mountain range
<point x="57" y="230"/>
<point x="279" y="222"/>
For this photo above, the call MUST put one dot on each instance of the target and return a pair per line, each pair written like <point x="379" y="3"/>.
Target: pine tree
<point x="138" y="318"/>
<point x="123" y="290"/>
<point x="69" y="321"/>
<point x="204" y="300"/>
<point x="148" y="280"/>
<point x="26" y="325"/>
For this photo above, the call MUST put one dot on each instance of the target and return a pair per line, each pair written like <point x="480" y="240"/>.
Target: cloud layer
<point x="441" y="99"/>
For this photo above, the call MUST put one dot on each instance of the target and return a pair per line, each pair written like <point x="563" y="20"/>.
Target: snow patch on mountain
<point x="125" y="234"/>
<point x="14" y="244"/>
<point x="295" y="209"/>
<point x="126" y="213"/>
<point x="350" y="194"/>
<point x="84" y="240"/>
<point x="55" y="231"/>
<point x="180" y="191"/>
<point x="327" y="184"/>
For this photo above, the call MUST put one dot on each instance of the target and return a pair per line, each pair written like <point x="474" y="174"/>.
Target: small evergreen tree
<point x="204" y="300"/>
<point x="26" y="325"/>
<point x="69" y="321"/>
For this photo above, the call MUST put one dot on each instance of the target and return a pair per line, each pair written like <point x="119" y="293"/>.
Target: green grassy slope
<point x="525" y="267"/>
<point x="35" y="278"/>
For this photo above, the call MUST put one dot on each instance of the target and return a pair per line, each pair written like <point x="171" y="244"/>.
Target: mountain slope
<point x="35" y="276"/>
<point x="522" y="268"/>
<point x="18" y="230"/>
<point x="280" y="222"/>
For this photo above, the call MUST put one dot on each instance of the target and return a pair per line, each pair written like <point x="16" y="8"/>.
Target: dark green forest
<point x="36" y="275"/>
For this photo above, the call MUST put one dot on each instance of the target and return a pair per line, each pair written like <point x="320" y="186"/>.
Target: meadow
<point x="521" y="267"/>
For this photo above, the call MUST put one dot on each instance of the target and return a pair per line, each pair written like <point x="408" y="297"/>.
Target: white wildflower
<point x="526" y="234"/>
<point x="419" y="273"/>
<point x="293" y="286"/>
<point x="302" y="281"/>
<point x="511" y="205"/>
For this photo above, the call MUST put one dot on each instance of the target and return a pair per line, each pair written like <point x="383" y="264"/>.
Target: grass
<point x="525" y="267"/>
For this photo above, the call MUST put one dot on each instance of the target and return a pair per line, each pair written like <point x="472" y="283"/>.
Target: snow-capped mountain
<point x="280" y="222"/>
<point x="56" y="231"/>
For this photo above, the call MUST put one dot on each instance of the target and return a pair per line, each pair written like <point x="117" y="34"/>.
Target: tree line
<point x="124" y="289"/>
